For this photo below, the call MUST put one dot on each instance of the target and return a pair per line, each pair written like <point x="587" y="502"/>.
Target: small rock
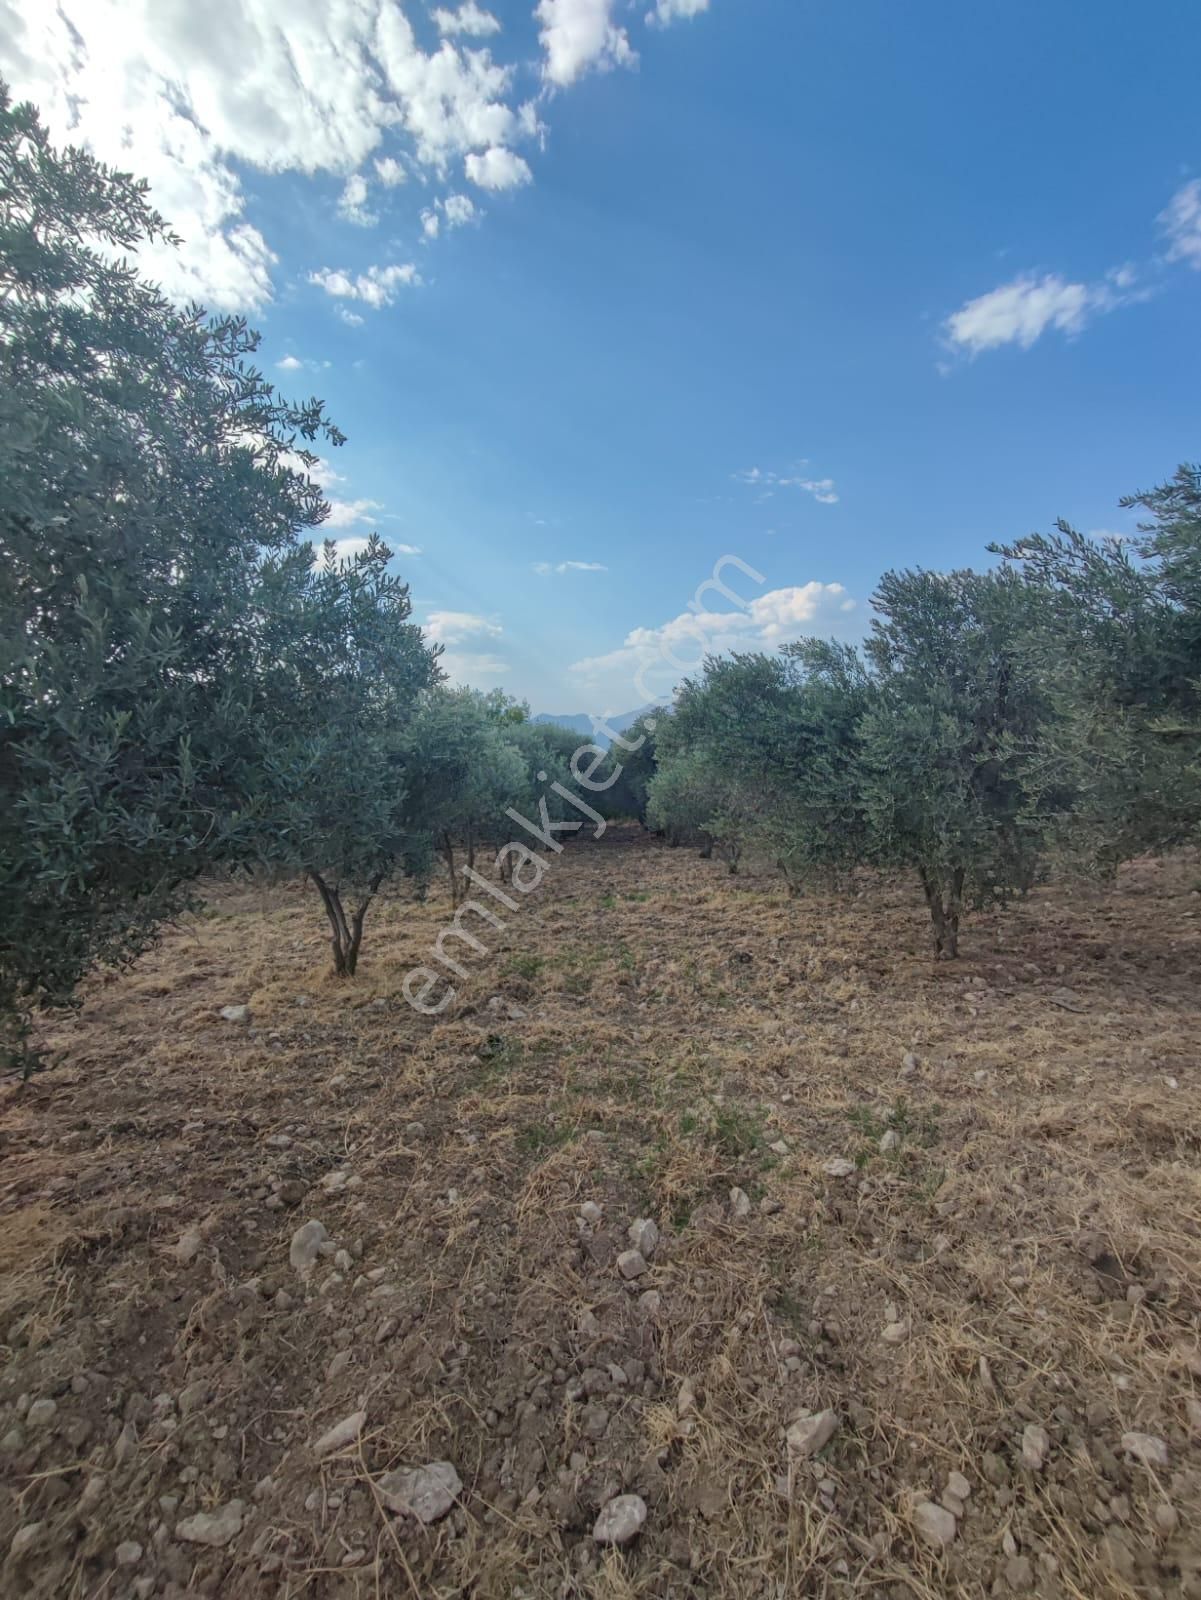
<point x="129" y="1553"/>
<point x="740" y="1203"/>
<point x="889" y="1141"/>
<point x="591" y="1212"/>
<point x="1144" y="1447"/>
<point x="415" y="1131"/>
<point x="426" y="1493"/>
<point x="686" y="1399"/>
<point x="631" y="1264"/>
<point x="650" y="1303"/>
<point x="1167" y="1519"/>
<point x="958" y="1485"/>
<point x="189" y="1245"/>
<point x="908" y="1064"/>
<point x="934" y="1523"/>
<point x="840" y="1167"/>
<point x="214" y="1528"/>
<point x="807" y="1435"/>
<point x="769" y="1205"/>
<point x="1019" y="1574"/>
<point x="235" y="1013"/>
<point x="340" y="1435"/>
<point x="193" y="1398"/>
<point x="306" y="1245"/>
<point x="335" y="1182"/>
<point x="953" y="1503"/>
<point x="41" y="1414"/>
<point x="621" y="1520"/>
<point x="26" y="1539"/>
<point x="594" y="1421"/>
<point x="1035" y="1446"/>
<point x="896" y="1332"/>
<point x="337" y="1366"/>
<point x="644" y="1237"/>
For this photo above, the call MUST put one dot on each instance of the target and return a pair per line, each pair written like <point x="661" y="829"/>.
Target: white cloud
<point x="405" y="549"/>
<point x="473" y="669"/>
<point x="458" y="210"/>
<point x="822" y="489"/>
<point x="498" y="168"/>
<point x="545" y="568"/>
<point x="344" y="550"/>
<point x="349" y="513"/>
<point x="1181" y="222"/>
<point x="469" y="18"/>
<point x="376" y="287"/>
<point x="289" y="364"/>
<point x="390" y="172"/>
<point x="352" y="203"/>
<point x="191" y="100"/>
<point x="453" y="627"/>
<point x="430" y="224"/>
<point x="1021" y="312"/>
<point x="578" y="35"/>
<point x="668" y="11"/>
<point x="650" y="662"/>
<point x="351" y="318"/>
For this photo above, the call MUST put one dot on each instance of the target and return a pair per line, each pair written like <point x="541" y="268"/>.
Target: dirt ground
<point x="965" y="1218"/>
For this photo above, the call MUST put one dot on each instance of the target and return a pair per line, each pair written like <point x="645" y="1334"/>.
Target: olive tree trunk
<point x="346" y="932"/>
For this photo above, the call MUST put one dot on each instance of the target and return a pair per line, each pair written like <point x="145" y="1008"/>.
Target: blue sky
<point x="602" y="296"/>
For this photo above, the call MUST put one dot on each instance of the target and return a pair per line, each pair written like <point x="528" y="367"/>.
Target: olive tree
<point x="147" y="473"/>
<point x="942" y="786"/>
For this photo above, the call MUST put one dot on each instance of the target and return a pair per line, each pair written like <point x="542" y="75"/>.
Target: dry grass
<point x="678" y="1033"/>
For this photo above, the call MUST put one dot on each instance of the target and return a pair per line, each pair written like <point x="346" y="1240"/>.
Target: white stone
<point x="808" y="1435"/>
<point x="621" y="1520"/>
<point x="958" y="1485"/>
<point x="740" y="1203"/>
<point x="40" y="1414"/>
<point x="189" y="1245"/>
<point x="306" y="1245"/>
<point x="631" y="1264"/>
<point x="129" y="1553"/>
<point x="1035" y="1446"/>
<point x="896" y="1332"/>
<point x="643" y="1236"/>
<point x="591" y="1212"/>
<point x="426" y="1493"/>
<point x="840" y="1167"/>
<point x="235" y="1013"/>
<point x="889" y="1141"/>
<point x="1145" y="1447"/>
<point x="340" y="1435"/>
<point x="935" y="1523"/>
<point x="26" y="1539"/>
<point x="214" y="1528"/>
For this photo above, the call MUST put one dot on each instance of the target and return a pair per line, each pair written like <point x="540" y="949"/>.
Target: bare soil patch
<point x="1019" y="1206"/>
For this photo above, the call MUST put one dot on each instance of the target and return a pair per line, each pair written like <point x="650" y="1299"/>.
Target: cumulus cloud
<point x="1022" y="311"/>
<point x="579" y="35"/>
<point x="352" y="203"/>
<point x="376" y="287"/>
<point x="469" y="18"/>
<point x="822" y="489"/>
<point x="458" y="210"/>
<point x="289" y="364"/>
<point x="390" y="172"/>
<point x="1181" y="224"/>
<point x="668" y="11"/>
<point x="453" y="627"/>
<point x="650" y="662"/>
<point x="545" y="568"/>
<point x="318" y="88"/>
<point x="473" y="669"/>
<point x="498" y="168"/>
<point x="349" y="513"/>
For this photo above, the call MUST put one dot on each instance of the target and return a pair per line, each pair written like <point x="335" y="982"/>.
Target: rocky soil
<point x="711" y="1244"/>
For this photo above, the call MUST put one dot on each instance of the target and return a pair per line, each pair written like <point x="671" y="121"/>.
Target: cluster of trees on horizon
<point x="186" y="688"/>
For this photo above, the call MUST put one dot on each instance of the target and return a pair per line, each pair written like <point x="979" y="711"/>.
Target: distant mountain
<point x="580" y="722"/>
